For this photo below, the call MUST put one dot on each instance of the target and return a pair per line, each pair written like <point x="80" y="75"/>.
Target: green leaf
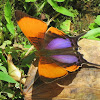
<point x="60" y="9"/>
<point x="10" y="27"/>
<point x="2" y="56"/>
<point x="27" y="46"/>
<point x="30" y="0"/>
<point x="7" y="11"/>
<point x="93" y="25"/>
<point x="2" y="68"/>
<point x="93" y="34"/>
<point x="65" y="26"/>
<point x="59" y="0"/>
<point x="8" y="16"/>
<point x="6" y="77"/>
<point x="97" y="20"/>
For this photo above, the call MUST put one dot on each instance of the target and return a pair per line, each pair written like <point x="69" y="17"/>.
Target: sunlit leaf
<point x="60" y="9"/>
<point x="97" y="20"/>
<point x="7" y="11"/>
<point x="8" y="16"/>
<point x="59" y="0"/>
<point x="93" y="25"/>
<point x="6" y="77"/>
<point x="10" y="27"/>
<point x="2" y="68"/>
<point x="65" y="26"/>
<point x="30" y="0"/>
<point x="93" y="34"/>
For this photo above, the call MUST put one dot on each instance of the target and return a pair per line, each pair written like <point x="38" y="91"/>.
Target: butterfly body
<point x="57" y="52"/>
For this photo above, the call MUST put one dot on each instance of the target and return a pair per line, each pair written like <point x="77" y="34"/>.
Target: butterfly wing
<point x="59" y="56"/>
<point x="32" y="28"/>
<point x="50" y="71"/>
<point x="57" y="64"/>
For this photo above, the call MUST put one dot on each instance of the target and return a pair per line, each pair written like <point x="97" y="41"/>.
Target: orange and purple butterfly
<point x="57" y="51"/>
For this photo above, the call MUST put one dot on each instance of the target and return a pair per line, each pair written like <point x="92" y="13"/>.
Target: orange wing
<point x="56" y="31"/>
<point x="32" y="28"/>
<point x="51" y="70"/>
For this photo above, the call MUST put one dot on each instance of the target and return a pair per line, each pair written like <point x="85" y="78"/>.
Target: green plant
<point x="96" y="23"/>
<point x="12" y="40"/>
<point x="94" y="33"/>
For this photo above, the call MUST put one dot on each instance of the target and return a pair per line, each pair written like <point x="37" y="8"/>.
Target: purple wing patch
<point x="59" y="43"/>
<point x="65" y="58"/>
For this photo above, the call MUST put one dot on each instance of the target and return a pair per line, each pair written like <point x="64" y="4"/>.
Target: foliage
<point x="96" y="23"/>
<point x="14" y="42"/>
<point x="94" y="33"/>
<point x="8" y="16"/>
<point x="60" y="9"/>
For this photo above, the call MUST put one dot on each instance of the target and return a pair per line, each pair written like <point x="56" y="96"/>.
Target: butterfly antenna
<point x="92" y="64"/>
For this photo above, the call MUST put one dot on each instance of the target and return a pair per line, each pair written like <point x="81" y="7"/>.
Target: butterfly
<point x="58" y="53"/>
